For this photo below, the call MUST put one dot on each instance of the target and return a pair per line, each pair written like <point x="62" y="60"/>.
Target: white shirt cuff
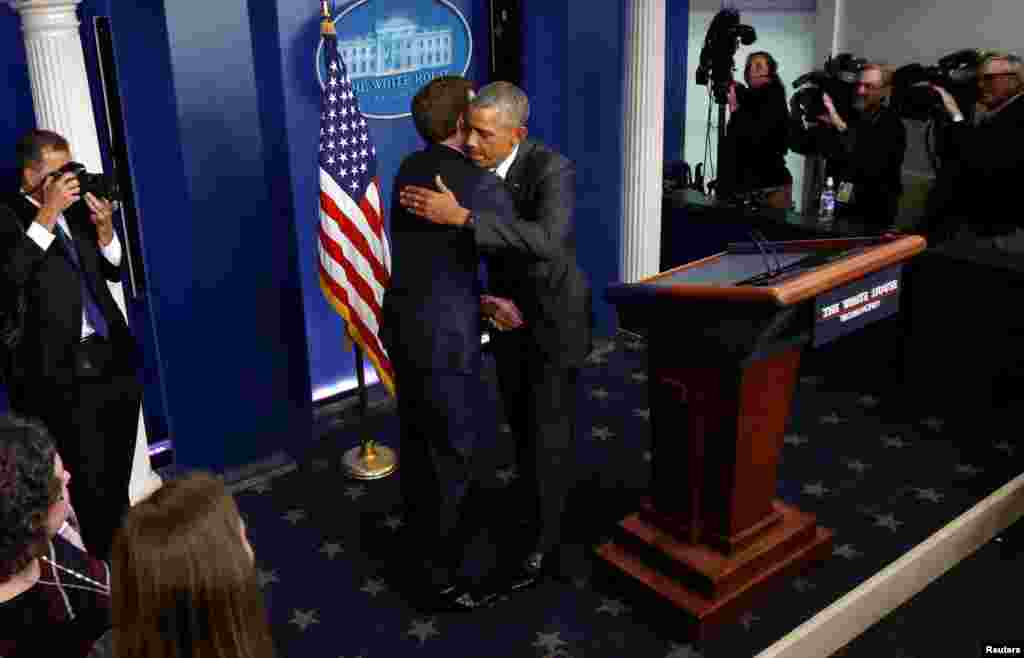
<point x="112" y="252"/>
<point x="40" y="235"/>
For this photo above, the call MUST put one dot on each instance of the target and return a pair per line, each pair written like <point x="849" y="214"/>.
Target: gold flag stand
<point x="369" y="460"/>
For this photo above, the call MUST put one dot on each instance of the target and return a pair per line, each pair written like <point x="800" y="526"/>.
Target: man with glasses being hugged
<point x="864" y="152"/>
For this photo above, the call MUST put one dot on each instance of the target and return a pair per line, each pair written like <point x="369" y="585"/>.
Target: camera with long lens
<point x="913" y="98"/>
<point x="100" y="186"/>
<point x="838" y="78"/>
<point x="716" y="56"/>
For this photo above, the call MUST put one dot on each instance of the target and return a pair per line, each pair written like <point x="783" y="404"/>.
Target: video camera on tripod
<point x="716" y="56"/>
<point x="838" y="79"/>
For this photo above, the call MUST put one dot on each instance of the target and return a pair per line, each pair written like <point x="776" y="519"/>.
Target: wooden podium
<point x="725" y="335"/>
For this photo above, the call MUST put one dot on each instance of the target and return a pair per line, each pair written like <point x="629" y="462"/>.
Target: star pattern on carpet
<point x="355" y="492"/>
<point x="834" y="458"/>
<point x="832" y="418"/>
<point x="930" y="495"/>
<point x="868" y="401"/>
<point x="967" y="469"/>
<point x="266" y="577"/>
<point x="815" y="489"/>
<point x="506" y="475"/>
<point x="373" y="586"/>
<point x="893" y="441"/>
<point x="676" y="650"/>
<point x="857" y="465"/>
<point x="304" y="618"/>
<point x="392" y="522"/>
<point x="613" y="607"/>
<point x="549" y="642"/>
<point x="794" y="439"/>
<point x="423" y="629"/>
<point x="888" y="521"/>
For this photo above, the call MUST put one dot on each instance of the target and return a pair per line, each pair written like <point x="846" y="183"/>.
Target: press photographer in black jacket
<point x="982" y="158"/>
<point x="756" y="136"/>
<point x="864" y="152"/>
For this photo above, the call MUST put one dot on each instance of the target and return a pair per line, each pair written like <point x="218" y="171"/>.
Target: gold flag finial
<point x="326" y="24"/>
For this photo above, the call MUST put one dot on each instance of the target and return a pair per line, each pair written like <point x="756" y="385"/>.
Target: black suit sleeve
<point x="19" y="255"/>
<point x="549" y="229"/>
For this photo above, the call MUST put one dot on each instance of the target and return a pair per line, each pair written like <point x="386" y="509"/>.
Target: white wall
<point x="790" y="37"/>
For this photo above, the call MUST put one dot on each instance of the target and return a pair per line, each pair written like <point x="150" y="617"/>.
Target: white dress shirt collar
<point x="502" y="170"/>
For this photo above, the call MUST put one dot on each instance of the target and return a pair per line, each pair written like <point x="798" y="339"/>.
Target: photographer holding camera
<point x="756" y="136"/>
<point x="71" y="361"/>
<point x="864" y="150"/>
<point x="983" y="158"/>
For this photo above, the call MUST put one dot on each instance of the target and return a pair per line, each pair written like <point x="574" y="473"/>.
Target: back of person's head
<point x="437" y="106"/>
<point x="511" y="102"/>
<point x="28" y="488"/>
<point x="29" y="150"/>
<point x="183" y="580"/>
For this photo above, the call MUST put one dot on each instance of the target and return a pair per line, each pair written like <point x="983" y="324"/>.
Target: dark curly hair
<point x="27" y="489"/>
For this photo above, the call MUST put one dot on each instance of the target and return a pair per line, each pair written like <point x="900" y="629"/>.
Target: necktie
<point x="93" y="314"/>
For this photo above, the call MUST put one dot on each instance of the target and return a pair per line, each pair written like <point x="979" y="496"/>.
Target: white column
<point x="644" y="135"/>
<point x="56" y="68"/>
<point x="60" y="96"/>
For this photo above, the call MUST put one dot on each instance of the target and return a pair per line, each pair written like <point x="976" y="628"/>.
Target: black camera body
<point x="838" y="79"/>
<point x="99" y="185"/>
<point x="720" y="45"/>
<point x="912" y="98"/>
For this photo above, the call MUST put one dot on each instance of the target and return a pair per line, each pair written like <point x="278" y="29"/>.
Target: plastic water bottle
<point x="827" y="211"/>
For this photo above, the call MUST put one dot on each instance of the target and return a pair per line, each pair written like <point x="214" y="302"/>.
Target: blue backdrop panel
<point x="15" y="89"/>
<point x="223" y="287"/>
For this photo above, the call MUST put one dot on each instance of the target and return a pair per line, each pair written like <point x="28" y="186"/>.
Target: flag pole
<point x="369" y="460"/>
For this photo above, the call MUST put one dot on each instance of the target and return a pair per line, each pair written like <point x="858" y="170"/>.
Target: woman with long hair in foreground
<point x="184" y="578"/>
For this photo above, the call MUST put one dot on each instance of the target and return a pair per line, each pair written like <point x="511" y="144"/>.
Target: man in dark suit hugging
<point x="431" y="328"/>
<point x="538" y="364"/>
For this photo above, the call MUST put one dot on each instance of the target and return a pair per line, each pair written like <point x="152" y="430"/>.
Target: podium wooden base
<point x="712" y="587"/>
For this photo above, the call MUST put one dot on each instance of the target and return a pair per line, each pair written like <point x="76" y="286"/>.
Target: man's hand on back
<point x="439" y="207"/>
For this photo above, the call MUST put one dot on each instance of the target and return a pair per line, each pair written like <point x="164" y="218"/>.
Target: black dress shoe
<point x="454" y="598"/>
<point x="528" y="574"/>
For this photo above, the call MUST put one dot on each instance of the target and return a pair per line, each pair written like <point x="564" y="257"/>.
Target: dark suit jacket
<point x="53" y="318"/>
<point x="431" y="311"/>
<point x="553" y="295"/>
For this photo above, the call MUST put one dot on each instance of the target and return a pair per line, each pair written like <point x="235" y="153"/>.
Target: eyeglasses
<point x="989" y="77"/>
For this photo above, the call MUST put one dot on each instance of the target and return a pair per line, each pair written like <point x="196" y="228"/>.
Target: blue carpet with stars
<point x="325" y="545"/>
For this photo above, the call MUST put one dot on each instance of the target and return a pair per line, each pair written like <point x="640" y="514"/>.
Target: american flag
<point x="355" y="259"/>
